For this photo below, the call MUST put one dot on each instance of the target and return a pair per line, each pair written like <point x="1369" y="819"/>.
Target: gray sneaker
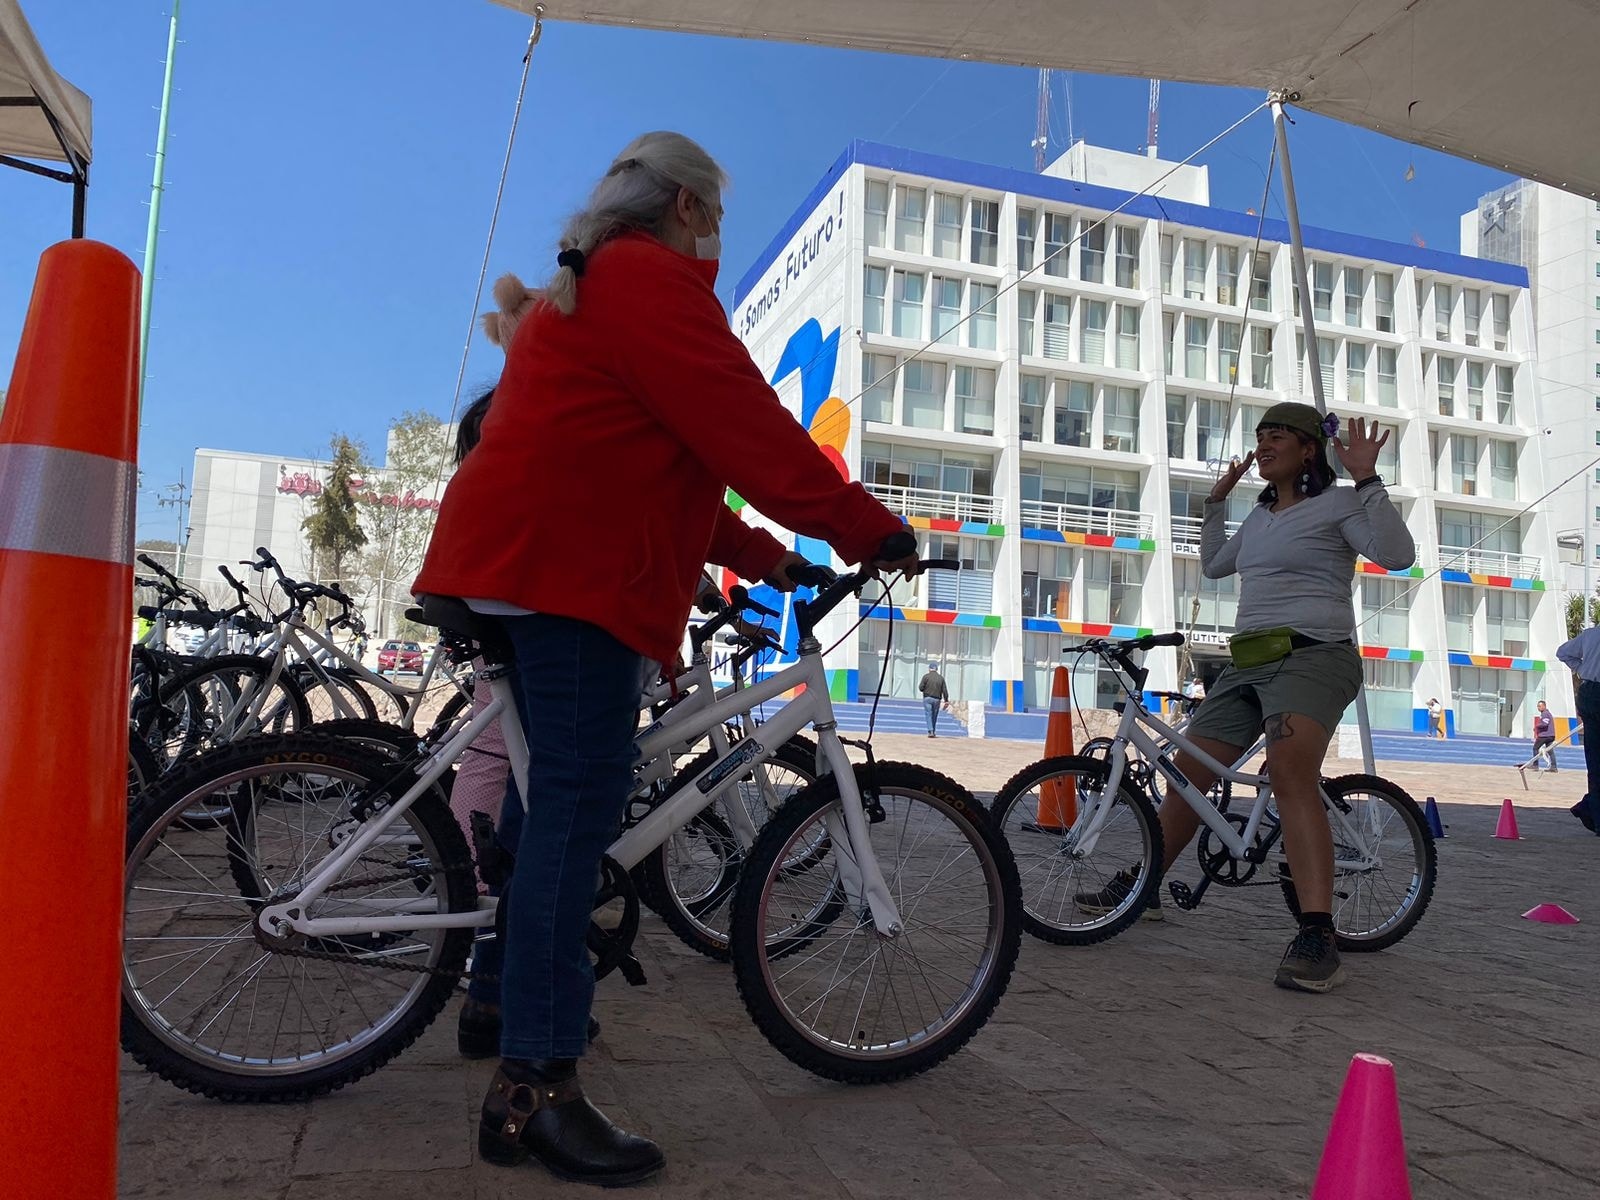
<point x="1311" y="964"/>
<point x="1114" y="895"/>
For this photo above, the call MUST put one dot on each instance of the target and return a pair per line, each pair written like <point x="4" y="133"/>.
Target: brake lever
<point x="739" y="596"/>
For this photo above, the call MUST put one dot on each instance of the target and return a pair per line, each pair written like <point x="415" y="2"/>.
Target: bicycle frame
<point x="856" y="862"/>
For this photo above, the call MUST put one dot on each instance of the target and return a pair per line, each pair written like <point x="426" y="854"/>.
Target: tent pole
<point x="1297" y="248"/>
<point x="157" y="187"/>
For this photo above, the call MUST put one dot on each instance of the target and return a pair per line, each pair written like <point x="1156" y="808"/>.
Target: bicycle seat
<point x="451" y="615"/>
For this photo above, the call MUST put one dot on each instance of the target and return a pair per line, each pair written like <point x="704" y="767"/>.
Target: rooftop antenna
<point x="1041" y="127"/>
<point x="1152" y="129"/>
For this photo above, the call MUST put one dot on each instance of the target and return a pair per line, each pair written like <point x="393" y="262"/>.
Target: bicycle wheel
<point x="1374" y="907"/>
<point x="334" y="694"/>
<point x="216" y="1010"/>
<point x="204" y="706"/>
<point x="689" y="880"/>
<point x="1070" y="896"/>
<point x="847" y="1003"/>
<point x="142" y="769"/>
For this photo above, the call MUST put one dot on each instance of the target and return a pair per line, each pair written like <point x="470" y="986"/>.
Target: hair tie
<point x="571" y="258"/>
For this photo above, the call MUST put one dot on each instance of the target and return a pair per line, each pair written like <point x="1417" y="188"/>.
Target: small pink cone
<point x="1364" y="1157"/>
<point x="1550" y="914"/>
<point x="1507" y="828"/>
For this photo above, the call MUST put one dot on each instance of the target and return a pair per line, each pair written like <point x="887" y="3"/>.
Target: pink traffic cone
<point x="1364" y="1157"/>
<point x="1550" y="914"/>
<point x="1507" y="828"/>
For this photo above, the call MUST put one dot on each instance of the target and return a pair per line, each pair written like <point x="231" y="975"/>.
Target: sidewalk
<point x="1159" y="1066"/>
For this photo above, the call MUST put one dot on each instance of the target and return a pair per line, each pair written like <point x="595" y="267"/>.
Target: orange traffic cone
<point x="1364" y="1157"/>
<point x="1058" y="798"/>
<point x="67" y="452"/>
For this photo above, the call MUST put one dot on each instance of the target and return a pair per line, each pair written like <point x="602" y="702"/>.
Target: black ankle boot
<point x="478" y="1031"/>
<point x="538" y="1109"/>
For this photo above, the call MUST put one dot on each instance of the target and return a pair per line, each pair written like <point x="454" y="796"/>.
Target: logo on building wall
<point x="302" y="483"/>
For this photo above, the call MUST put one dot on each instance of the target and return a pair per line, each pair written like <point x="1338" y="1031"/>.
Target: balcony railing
<point x="1491" y="562"/>
<point x="1186" y="533"/>
<point x="928" y="502"/>
<point x="1083" y="518"/>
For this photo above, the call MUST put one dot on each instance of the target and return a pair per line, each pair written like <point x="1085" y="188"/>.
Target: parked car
<point x="400" y="658"/>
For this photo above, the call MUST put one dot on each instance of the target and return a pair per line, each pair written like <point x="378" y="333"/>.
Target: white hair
<point x="638" y="191"/>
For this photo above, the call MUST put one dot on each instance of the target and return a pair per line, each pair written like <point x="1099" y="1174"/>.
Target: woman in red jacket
<point x="581" y="521"/>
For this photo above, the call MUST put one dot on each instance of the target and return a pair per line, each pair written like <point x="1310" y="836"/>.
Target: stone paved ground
<point x="1162" y="1065"/>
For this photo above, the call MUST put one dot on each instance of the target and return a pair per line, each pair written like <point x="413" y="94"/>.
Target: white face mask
<point x="710" y="246"/>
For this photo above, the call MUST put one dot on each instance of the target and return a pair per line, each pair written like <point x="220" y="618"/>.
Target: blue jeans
<point x="577" y="690"/>
<point x="1589" y="714"/>
<point x="931" y="707"/>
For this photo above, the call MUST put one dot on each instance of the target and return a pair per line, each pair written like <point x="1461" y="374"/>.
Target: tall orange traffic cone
<point x="1364" y="1157"/>
<point x="67" y="452"/>
<point x="1058" y="798"/>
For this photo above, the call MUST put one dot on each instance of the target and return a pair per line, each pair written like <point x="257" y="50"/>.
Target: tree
<point x="398" y="509"/>
<point x="333" y="530"/>
<point x="1574" y="613"/>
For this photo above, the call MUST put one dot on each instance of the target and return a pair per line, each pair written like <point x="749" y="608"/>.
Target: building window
<point x="1128" y="336"/>
<point x="1122" y="419"/>
<point x="1074" y="412"/>
<point x="1459" y="603"/>
<point x="1261" y="282"/>
<point x="923" y="394"/>
<point x="1228" y="335"/>
<point x="1092" y="347"/>
<point x="1194" y="269"/>
<point x="981" y="313"/>
<point x="1260" y="356"/>
<point x="946" y="225"/>
<point x="1095" y="494"/>
<point x="1504" y="395"/>
<point x="975" y="400"/>
<point x="1057" y="326"/>
<point x="1507" y="615"/>
<point x="1177" y="424"/>
<point x="1167" y="249"/>
<point x="1212" y="603"/>
<point x="1127" y="256"/>
<point x="1227" y="275"/>
<point x="1326" y="349"/>
<point x="1386" y="611"/>
<point x="1210" y="429"/>
<point x="1464" y="465"/>
<point x="1030" y="407"/>
<point x="910" y="219"/>
<point x="1354" y="286"/>
<point x="1057" y="237"/>
<point x="1355" y="372"/>
<point x="1503" y="470"/>
<point x="1472" y="313"/>
<point x="877" y="387"/>
<point x="1322" y="291"/>
<point x="1197" y="332"/>
<point x="1388" y="464"/>
<point x="1092" y="253"/>
<point x="1500" y="304"/>
<point x="1446" y="369"/>
<point x="1047" y="573"/>
<point x="1027" y="236"/>
<point x="1383" y="301"/>
<point x="1475" y="373"/>
<point x="1443" y="304"/>
<point x="1112" y="584"/>
<point x="946" y="306"/>
<point x="1027" y="305"/>
<point x="877" y="210"/>
<point x="877" y="283"/>
<point x="985" y="232"/>
<point x="909" y="289"/>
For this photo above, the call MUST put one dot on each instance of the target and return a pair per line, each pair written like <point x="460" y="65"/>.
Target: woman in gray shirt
<point x="1295" y="663"/>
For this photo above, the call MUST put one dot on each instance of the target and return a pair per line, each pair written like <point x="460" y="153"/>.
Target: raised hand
<point x="1230" y="478"/>
<point x="1359" y="456"/>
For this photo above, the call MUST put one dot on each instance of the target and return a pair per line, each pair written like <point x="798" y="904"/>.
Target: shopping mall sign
<point x="302" y="483"/>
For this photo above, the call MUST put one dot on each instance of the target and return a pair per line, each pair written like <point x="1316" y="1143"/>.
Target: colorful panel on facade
<point x="945" y="525"/>
<point x="1372" y="568"/>
<point x="1498" y="661"/>
<point x="1499" y="581"/>
<point x="1099" y="540"/>
<point x="931" y="616"/>
<point x="1391" y="653"/>
<point x="1082" y="628"/>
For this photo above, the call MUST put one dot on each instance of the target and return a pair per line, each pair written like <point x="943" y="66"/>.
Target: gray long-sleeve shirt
<point x="1295" y="567"/>
<point x="1582" y="655"/>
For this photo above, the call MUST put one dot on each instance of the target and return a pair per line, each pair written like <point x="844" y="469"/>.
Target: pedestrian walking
<point x="935" y="695"/>
<point x="1544" y="739"/>
<point x="1436" y="717"/>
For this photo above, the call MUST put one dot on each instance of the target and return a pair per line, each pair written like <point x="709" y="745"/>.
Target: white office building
<point x="1096" y="355"/>
<point x="1555" y="235"/>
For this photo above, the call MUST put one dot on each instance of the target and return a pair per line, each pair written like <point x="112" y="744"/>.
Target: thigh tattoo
<point x="1278" y="727"/>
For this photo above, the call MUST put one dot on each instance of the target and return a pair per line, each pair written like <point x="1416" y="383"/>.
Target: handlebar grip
<point x="740" y="596"/>
<point x="149" y="562"/>
<point x="265" y="555"/>
<point x="941" y="564"/>
<point x="229" y="576"/>
<point x="1162" y="639"/>
<point x="813" y="575"/>
<point x="896" y="546"/>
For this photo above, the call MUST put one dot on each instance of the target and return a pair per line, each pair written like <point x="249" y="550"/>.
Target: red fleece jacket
<point x="596" y="489"/>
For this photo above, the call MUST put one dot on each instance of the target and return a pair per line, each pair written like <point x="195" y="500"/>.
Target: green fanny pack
<point x="1260" y="647"/>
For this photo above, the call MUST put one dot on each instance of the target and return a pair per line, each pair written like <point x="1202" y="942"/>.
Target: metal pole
<point x="157" y="187"/>
<point x="1297" y="248"/>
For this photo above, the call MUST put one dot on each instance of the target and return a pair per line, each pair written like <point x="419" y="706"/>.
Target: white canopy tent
<point x="42" y="116"/>
<point x="1508" y="85"/>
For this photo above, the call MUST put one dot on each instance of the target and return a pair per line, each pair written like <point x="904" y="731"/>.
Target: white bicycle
<point x="1089" y="850"/>
<point x="311" y="937"/>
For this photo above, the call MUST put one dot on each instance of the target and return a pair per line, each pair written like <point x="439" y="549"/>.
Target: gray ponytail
<point x="636" y="193"/>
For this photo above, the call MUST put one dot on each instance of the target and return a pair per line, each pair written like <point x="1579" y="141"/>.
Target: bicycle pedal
<point x="632" y="971"/>
<point x="1183" y="895"/>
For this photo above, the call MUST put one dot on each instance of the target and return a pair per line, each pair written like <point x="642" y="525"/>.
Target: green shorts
<point x="1319" y="681"/>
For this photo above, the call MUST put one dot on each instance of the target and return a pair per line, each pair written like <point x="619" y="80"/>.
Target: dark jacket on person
<point x="932" y="686"/>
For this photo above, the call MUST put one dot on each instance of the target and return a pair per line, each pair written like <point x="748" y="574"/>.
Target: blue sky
<point x="332" y="168"/>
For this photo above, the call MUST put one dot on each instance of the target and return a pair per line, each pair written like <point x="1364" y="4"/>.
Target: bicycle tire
<point x="231" y="1075"/>
<point x="1036" y="912"/>
<point x="1419" y="892"/>
<point x="287" y="712"/>
<point x="699" y="917"/>
<point x="320" y="688"/>
<point x="446" y="716"/>
<point x="858" y="1058"/>
<point x="143" y="770"/>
